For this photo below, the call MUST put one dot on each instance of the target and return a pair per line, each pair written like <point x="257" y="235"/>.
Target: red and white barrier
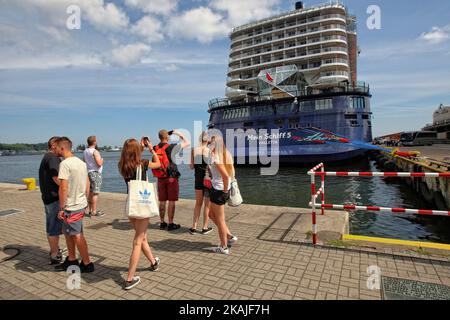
<point x="382" y="174"/>
<point x="322" y="173"/>
<point x="384" y="209"/>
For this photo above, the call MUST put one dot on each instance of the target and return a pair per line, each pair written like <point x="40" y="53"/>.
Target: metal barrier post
<point x="313" y="201"/>
<point x="323" y="188"/>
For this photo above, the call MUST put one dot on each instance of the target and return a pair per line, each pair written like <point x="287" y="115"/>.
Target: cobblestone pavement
<point x="257" y="268"/>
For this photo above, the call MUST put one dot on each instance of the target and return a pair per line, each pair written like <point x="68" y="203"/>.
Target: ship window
<point x="324" y="104"/>
<point x="357" y="103"/>
<point x="365" y="116"/>
<point x="293" y="124"/>
<point x="307" y="106"/>
<point x="279" y="123"/>
<point x="351" y="116"/>
<point x="248" y="124"/>
<point x="284" y="108"/>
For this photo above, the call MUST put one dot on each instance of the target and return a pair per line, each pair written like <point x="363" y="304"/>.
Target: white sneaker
<point x="221" y="250"/>
<point x="231" y="241"/>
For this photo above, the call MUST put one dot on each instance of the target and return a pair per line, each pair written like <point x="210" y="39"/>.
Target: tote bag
<point x="235" y="199"/>
<point x="142" y="201"/>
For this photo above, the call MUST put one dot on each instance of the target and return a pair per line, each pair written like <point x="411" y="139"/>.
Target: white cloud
<point x="171" y="67"/>
<point x="58" y="34"/>
<point x="161" y="7"/>
<point x="437" y="35"/>
<point x="148" y="28"/>
<point x="241" y="12"/>
<point x="50" y="61"/>
<point x="200" y="23"/>
<point x="104" y="16"/>
<point x="130" y="54"/>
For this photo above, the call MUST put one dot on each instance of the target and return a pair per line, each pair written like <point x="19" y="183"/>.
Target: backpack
<point x="163" y="171"/>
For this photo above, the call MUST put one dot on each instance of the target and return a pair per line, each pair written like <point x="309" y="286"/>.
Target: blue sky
<point x="136" y="66"/>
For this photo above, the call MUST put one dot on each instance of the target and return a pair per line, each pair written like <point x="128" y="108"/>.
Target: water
<point x="291" y="187"/>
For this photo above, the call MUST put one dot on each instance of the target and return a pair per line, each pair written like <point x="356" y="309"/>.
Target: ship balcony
<point x="306" y="53"/>
<point x="299" y="36"/>
<point x="282" y="60"/>
<point x="301" y="23"/>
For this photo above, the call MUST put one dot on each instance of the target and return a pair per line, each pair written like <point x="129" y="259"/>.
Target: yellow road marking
<point x="421" y="244"/>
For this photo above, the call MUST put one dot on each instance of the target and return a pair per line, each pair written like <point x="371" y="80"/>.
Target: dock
<point x="273" y="258"/>
<point x="435" y="158"/>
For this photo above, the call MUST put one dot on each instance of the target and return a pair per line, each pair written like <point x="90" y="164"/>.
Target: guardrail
<point x="321" y="191"/>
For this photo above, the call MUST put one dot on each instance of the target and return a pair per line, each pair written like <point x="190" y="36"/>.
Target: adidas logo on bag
<point x="144" y="196"/>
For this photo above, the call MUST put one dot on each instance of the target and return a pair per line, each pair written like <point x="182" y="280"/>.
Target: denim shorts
<point x="74" y="228"/>
<point x="52" y="223"/>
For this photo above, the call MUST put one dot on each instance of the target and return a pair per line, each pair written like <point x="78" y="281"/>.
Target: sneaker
<point x="56" y="259"/>
<point x="133" y="283"/>
<point x="193" y="231"/>
<point x="155" y="266"/>
<point x="207" y="230"/>
<point x="162" y="225"/>
<point x="221" y="250"/>
<point x="66" y="264"/>
<point x="173" y="226"/>
<point x="86" y="268"/>
<point x="98" y="213"/>
<point x="232" y="241"/>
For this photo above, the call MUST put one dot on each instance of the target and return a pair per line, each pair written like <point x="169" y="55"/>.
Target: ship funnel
<point x="299" y="5"/>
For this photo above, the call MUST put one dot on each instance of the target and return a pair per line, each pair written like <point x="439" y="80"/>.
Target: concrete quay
<point x="273" y="258"/>
<point x="434" y="158"/>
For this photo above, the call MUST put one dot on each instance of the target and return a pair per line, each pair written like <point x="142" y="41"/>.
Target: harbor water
<point x="291" y="188"/>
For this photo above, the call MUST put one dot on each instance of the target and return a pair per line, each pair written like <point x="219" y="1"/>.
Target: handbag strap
<point x="139" y="173"/>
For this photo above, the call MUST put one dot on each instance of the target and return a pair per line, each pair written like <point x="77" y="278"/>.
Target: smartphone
<point x="170" y="132"/>
<point x="146" y="138"/>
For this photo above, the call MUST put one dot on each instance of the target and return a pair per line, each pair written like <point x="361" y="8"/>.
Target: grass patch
<point x="340" y="243"/>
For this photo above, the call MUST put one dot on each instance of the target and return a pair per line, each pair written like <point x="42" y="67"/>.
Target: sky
<point x="136" y="66"/>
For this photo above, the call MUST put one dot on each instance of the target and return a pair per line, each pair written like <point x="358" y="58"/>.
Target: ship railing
<point x="223" y="102"/>
<point x="314" y="172"/>
<point x="287" y="15"/>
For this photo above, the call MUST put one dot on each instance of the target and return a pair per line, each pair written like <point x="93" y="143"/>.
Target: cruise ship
<point x="296" y="74"/>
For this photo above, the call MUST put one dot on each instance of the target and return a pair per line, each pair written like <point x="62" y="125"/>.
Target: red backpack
<point x="163" y="171"/>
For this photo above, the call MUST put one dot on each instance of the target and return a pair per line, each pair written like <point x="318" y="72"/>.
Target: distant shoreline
<point x="34" y="153"/>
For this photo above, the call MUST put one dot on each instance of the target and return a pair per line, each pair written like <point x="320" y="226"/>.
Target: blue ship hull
<point x="308" y="129"/>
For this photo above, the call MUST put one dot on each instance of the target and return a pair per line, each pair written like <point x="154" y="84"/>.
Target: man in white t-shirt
<point x="73" y="192"/>
<point x="94" y="163"/>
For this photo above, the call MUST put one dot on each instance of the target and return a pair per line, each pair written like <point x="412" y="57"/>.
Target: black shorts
<point x="218" y="197"/>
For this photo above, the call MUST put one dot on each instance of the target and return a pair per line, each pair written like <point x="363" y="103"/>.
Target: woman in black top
<point x="199" y="163"/>
<point x="130" y="159"/>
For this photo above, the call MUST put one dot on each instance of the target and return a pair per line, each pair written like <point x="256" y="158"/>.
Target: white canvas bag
<point x="142" y="200"/>
<point x="235" y="199"/>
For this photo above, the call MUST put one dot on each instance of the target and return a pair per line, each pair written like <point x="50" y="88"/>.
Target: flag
<point x="268" y="77"/>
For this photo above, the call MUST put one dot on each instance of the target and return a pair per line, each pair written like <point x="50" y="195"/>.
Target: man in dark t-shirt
<point x="49" y="185"/>
<point x="168" y="188"/>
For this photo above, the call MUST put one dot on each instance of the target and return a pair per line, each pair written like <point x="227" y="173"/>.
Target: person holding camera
<point x="130" y="160"/>
<point x="168" y="175"/>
